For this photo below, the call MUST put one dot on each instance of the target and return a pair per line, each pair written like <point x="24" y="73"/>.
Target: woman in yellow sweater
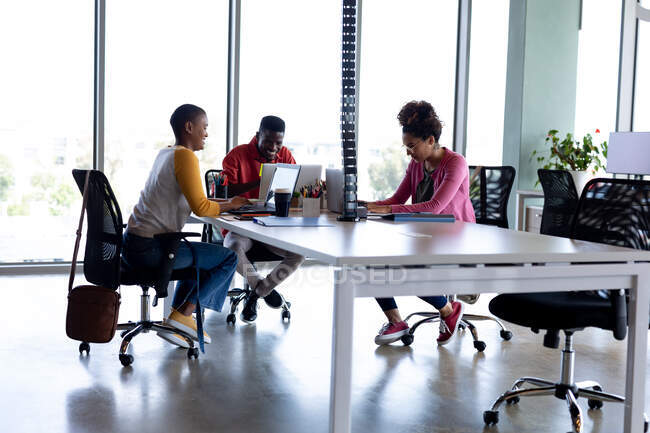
<point x="172" y="191"/>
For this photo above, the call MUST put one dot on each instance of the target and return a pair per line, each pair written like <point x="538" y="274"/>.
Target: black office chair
<point x="103" y="263"/>
<point x="560" y="202"/>
<point x="489" y="192"/>
<point x="610" y="211"/>
<point x="257" y="254"/>
<point x="491" y="202"/>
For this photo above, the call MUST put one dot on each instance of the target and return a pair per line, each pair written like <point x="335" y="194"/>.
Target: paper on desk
<point x="416" y="235"/>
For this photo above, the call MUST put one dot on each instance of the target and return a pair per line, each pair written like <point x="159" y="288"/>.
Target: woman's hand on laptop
<point x="379" y="208"/>
<point x="234" y="203"/>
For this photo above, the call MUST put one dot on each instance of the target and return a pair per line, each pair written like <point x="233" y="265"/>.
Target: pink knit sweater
<point x="450" y="186"/>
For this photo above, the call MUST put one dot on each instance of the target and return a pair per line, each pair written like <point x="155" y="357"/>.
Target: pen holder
<point x="310" y="207"/>
<point x="220" y="191"/>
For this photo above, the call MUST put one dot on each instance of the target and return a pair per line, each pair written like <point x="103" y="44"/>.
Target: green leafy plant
<point x="571" y="154"/>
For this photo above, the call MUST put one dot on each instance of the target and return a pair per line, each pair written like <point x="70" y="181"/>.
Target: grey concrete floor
<point x="274" y="377"/>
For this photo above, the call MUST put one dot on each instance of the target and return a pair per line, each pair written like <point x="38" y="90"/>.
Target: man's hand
<point x="379" y="208"/>
<point x="234" y="203"/>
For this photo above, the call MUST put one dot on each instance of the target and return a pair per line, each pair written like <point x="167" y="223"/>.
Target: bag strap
<point x="73" y="265"/>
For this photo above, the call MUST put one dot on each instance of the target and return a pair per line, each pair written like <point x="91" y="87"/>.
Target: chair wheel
<point x="491" y="417"/>
<point x="126" y="359"/>
<point x="286" y="315"/>
<point x="84" y="347"/>
<point x="407" y="339"/>
<point x="461" y="326"/>
<point x="594" y="404"/>
<point x="513" y="400"/>
<point x="231" y="319"/>
<point x="506" y="335"/>
<point x="193" y="352"/>
<point x="479" y="345"/>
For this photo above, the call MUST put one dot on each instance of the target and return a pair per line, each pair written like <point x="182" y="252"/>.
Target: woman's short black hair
<point x="419" y="119"/>
<point x="184" y="113"/>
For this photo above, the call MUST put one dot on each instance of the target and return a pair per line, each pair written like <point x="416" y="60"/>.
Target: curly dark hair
<point x="419" y="119"/>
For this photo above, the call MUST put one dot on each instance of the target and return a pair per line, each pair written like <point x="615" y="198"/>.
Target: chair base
<point x="239" y="295"/>
<point x="145" y="325"/>
<point x="430" y="317"/>
<point x="566" y="389"/>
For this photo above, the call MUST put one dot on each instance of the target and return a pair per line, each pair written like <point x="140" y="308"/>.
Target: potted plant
<point x="583" y="159"/>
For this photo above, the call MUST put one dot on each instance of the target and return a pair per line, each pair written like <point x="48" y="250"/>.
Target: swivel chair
<point x="610" y="211"/>
<point x="257" y="254"/>
<point x="560" y="202"/>
<point x="104" y="265"/>
<point x="489" y="192"/>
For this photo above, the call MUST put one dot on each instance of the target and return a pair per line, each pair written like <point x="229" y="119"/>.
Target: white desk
<point x="522" y="195"/>
<point x="368" y="256"/>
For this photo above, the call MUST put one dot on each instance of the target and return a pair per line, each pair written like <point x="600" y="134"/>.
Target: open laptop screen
<point x="285" y="176"/>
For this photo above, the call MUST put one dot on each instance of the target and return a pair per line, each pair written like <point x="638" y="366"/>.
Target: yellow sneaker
<point x="174" y="339"/>
<point x="186" y="324"/>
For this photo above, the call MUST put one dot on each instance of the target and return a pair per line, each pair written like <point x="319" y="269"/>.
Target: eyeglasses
<point x="412" y="147"/>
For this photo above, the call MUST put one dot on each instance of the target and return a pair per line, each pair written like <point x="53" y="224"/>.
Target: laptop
<point x="265" y="182"/>
<point x="284" y="176"/>
<point x="334" y="183"/>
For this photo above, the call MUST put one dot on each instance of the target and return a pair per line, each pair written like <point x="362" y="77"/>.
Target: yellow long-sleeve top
<point x="172" y="191"/>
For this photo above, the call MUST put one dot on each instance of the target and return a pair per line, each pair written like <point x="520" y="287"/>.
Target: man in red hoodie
<point x="242" y="167"/>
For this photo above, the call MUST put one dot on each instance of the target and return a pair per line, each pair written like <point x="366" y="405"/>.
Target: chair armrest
<point x="167" y="237"/>
<point x="619" y="305"/>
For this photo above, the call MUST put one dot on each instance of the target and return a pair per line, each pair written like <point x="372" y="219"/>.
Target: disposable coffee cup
<point x="282" y="201"/>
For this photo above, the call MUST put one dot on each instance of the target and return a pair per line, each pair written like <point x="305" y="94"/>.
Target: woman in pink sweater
<point x="436" y="181"/>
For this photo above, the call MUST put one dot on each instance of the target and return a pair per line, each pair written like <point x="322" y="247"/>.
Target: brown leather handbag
<point x="92" y="310"/>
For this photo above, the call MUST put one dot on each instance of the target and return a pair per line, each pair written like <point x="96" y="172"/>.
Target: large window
<point x="290" y="67"/>
<point x="642" y="81"/>
<point x="598" y="59"/>
<point x="408" y="52"/>
<point x="159" y="55"/>
<point x="487" y="82"/>
<point x="46" y="122"/>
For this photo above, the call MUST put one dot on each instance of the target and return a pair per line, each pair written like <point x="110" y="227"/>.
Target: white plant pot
<point x="580" y="179"/>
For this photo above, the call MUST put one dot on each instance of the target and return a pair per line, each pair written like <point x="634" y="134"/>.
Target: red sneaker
<point x="391" y="332"/>
<point x="449" y="325"/>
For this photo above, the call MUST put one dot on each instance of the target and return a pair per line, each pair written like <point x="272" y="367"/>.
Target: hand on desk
<point x="374" y="208"/>
<point x="233" y="203"/>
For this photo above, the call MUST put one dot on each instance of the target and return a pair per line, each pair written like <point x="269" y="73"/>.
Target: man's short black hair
<point x="184" y="113"/>
<point x="272" y="123"/>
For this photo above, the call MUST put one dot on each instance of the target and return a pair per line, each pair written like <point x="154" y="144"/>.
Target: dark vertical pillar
<point x="348" y="110"/>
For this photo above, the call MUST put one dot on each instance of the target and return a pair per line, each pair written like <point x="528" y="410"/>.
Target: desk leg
<point x="519" y="217"/>
<point x="342" y="332"/>
<point x="167" y="302"/>
<point x="637" y="346"/>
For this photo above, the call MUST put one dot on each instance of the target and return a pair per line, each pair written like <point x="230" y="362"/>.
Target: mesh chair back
<point x="490" y="192"/>
<point x="560" y="202"/>
<point x="211" y="234"/>
<point x="614" y="212"/>
<point x="104" y="230"/>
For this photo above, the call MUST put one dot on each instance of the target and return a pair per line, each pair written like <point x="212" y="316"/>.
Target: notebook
<point x="421" y="216"/>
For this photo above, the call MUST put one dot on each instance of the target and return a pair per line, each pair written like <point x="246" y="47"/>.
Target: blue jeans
<point x="217" y="263"/>
<point x="389" y="303"/>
